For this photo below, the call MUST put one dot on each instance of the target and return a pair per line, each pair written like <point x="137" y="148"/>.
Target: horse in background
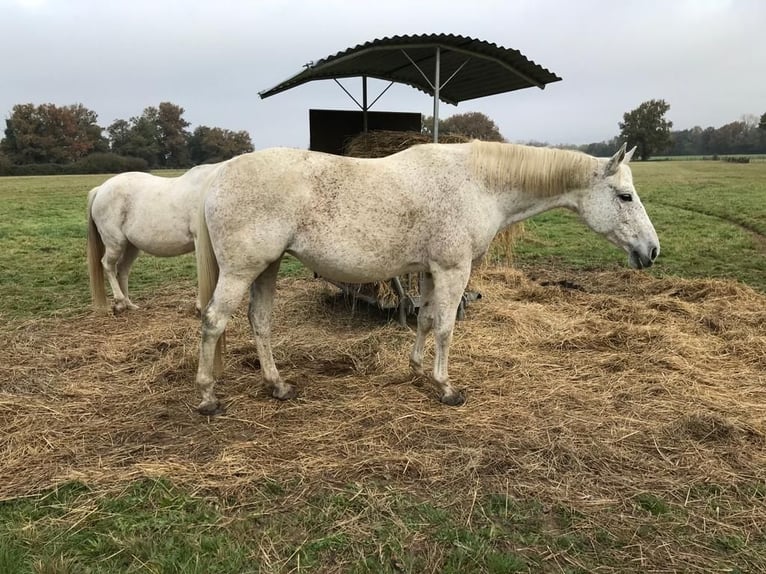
<point x="432" y="208"/>
<point x="134" y="212"/>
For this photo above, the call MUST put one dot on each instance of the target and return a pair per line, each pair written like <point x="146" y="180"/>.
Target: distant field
<point x="751" y="157"/>
<point x="710" y="217"/>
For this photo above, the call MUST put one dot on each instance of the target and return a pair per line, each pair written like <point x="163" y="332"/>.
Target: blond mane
<point x="543" y="172"/>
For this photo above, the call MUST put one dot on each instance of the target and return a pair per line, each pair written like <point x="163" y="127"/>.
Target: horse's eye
<point x="625" y="197"/>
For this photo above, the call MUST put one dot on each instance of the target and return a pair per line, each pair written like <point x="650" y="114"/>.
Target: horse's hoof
<point x="123" y="306"/>
<point x="284" y="392"/>
<point x="453" y="399"/>
<point x="210" y="409"/>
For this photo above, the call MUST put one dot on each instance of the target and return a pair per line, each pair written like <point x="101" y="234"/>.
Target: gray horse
<point x="134" y="212"/>
<point x="433" y="208"/>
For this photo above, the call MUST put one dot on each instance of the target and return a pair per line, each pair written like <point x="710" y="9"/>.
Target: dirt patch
<point x="599" y="383"/>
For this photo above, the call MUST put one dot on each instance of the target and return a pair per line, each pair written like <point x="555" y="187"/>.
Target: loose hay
<point x="576" y="385"/>
<point x="585" y="390"/>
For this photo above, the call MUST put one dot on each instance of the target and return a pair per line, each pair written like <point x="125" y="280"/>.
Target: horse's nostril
<point x="654" y="253"/>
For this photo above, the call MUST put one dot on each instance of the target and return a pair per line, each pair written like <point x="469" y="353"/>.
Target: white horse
<point x="432" y="208"/>
<point x="134" y="212"/>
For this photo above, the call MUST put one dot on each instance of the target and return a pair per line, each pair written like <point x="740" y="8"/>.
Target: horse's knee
<point x="213" y="324"/>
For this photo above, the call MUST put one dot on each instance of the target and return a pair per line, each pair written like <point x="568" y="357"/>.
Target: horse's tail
<point x="207" y="278"/>
<point x="95" y="249"/>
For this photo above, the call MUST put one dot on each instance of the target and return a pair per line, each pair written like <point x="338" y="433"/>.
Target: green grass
<point x="153" y="526"/>
<point x="711" y="219"/>
<point x="43" y="270"/>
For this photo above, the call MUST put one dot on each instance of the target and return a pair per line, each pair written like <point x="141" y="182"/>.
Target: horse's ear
<point x="614" y="163"/>
<point x="629" y="155"/>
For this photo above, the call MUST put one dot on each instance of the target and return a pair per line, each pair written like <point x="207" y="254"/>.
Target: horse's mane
<point x="538" y="170"/>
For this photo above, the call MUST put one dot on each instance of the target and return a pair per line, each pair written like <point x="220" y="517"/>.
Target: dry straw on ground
<point x="584" y="388"/>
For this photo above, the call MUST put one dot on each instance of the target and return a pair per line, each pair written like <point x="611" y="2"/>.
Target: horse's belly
<point x="356" y="268"/>
<point x="163" y="244"/>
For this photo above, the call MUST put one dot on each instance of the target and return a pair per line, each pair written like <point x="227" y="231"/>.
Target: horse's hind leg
<point x="259" y="313"/>
<point x="449" y="285"/>
<point x="425" y="322"/>
<point x="110" y="262"/>
<point x="123" y="272"/>
<point x="229" y="292"/>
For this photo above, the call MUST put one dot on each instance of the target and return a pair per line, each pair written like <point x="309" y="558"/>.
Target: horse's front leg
<point x="259" y="313"/>
<point x="198" y="301"/>
<point x="449" y="286"/>
<point x="425" y="322"/>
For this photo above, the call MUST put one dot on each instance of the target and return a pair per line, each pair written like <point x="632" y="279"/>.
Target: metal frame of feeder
<point x="489" y="69"/>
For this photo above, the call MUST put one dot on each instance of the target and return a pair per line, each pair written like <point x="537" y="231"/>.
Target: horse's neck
<point x="517" y="205"/>
<point x="527" y="181"/>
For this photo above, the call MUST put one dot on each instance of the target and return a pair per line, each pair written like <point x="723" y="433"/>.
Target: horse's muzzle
<point x="639" y="260"/>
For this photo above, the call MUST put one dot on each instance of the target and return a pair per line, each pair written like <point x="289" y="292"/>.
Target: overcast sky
<point x="706" y="58"/>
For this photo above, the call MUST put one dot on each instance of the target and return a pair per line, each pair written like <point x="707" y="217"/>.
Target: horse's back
<point x="346" y="218"/>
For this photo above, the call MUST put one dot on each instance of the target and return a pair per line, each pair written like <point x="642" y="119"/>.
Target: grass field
<point x="711" y="220"/>
<point x="710" y="217"/>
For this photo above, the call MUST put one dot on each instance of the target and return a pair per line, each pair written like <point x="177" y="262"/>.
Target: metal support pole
<point x="437" y="82"/>
<point x="364" y="104"/>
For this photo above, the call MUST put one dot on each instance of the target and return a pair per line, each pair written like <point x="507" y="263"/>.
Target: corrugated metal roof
<point x="487" y="68"/>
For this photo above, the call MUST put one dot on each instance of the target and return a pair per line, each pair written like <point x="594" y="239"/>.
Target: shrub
<point x="5" y="165"/>
<point x="37" y="169"/>
<point x="108" y="163"/>
<point x="93" y="163"/>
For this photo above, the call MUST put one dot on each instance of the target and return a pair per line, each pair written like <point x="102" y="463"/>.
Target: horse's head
<point x="612" y="207"/>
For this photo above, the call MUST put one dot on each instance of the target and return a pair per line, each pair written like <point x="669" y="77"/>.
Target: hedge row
<point x="94" y="163"/>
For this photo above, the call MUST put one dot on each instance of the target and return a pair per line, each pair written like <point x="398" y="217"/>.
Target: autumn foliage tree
<point x="173" y="135"/>
<point x="158" y="135"/>
<point x="647" y="128"/>
<point x="473" y="125"/>
<point x="67" y="139"/>
<point x="51" y="134"/>
<point x="208" y="145"/>
<point x="137" y="137"/>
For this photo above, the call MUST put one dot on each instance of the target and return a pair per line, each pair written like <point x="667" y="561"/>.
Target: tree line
<point x="647" y="128"/>
<point x="60" y="139"/>
<point x="68" y="139"/>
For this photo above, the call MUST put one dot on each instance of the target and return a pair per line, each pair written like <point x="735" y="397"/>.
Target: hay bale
<point x="381" y="143"/>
